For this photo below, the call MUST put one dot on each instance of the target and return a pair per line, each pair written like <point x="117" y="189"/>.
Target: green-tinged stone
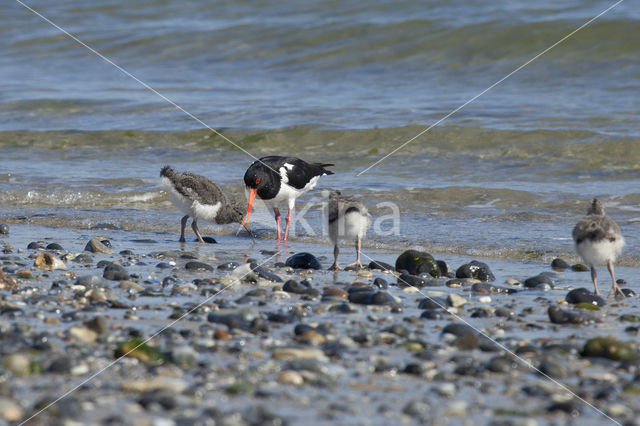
<point x="413" y="346"/>
<point x="629" y="318"/>
<point x="239" y="388"/>
<point x="35" y="367"/>
<point x="632" y="389"/>
<point x="608" y="347"/>
<point x="588" y="306"/>
<point x="137" y="348"/>
<point x="579" y="267"/>
<point x="416" y="262"/>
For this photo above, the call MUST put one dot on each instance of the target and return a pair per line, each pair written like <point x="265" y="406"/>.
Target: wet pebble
<point x="553" y="368"/>
<point x="293" y="286"/>
<point x="538" y="282"/>
<point x="291" y="377"/>
<point x="477" y="270"/>
<point x="303" y="261"/>
<point x="91" y="281"/>
<point x="54" y="246"/>
<point x="98" y="246"/>
<point x="416" y="262"/>
<point x="381" y="266"/>
<point x="4" y="229"/>
<point x="10" y="410"/>
<point x="228" y="266"/>
<point x="115" y="272"/>
<point x="262" y="272"/>
<point x="559" y="264"/>
<point x="195" y="265"/>
<point x="456" y="301"/>
<point x="381" y="283"/>
<point x="407" y="280"/>
<point x="35" y="245"/>
<point x="562" y="316"/>
<point x="433" y="302"/>
<point x="608" y="347"/>
<point x="49" y="261"/>
<point x="582" y="295"/>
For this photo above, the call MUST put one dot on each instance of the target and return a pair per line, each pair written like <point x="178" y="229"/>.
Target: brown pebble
<point x="222" y="335"/>
<point x="51" y="320"/>
<point x="6" y="282"/>
<point x="311" y="337"/>
<point x="335" y="291"/>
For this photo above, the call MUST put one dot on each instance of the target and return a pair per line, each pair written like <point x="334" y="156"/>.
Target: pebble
<point x="160" y="383"/>
<point x="10" y="410"/>
<point x="381" y="266"/>
<point x="96" y="246"/>
<point x="553" y="368"/>
<point x="195" y="265"/>
<point x="264" y="273"/>
<point x="477" y="270"/>
<point x="115" y="272"/>
<point x="18" y="364"/>
<point x="82" y="334"/>
<point x="228" y="266"/>
<point x="184" y="356"/>
<point x="579" y="267"/>
<point x="582" y="295"/>
<point x="130" y="285"/>
<point x="456" y="301"/>
<point x="559" y="264"/>
<point x="415" y="262"/>
<point x="34" y="245"/>
<point x="4" y="229"/>
<point x="90" y="281"/>
<point x="98" y="324"/>
<point x="6" y="282"/>
<point x="291" y="377"/>
<point x="537" y="281"/>
<point x="561" y="316"/>
<point x="49" y="261"/>
<point x="290" y="354"/>
<point x="432" y="303"/>
<point x="608" y="347"/>
<point x="303" y="261"/>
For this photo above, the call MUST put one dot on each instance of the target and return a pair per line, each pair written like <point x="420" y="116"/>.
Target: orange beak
<point x="252" y="196"/>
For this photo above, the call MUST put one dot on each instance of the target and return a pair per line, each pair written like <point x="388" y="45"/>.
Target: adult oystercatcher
<point x="277" y="180"/>
<point x="198" y="197"/>
<point x="348" y="219"/>
<point x="598" y="241"/>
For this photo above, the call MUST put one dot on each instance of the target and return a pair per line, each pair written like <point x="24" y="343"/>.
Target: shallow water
<point x="507" y="176"/>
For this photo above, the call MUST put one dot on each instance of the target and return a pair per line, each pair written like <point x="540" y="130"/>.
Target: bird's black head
<point x="254" y="178"/>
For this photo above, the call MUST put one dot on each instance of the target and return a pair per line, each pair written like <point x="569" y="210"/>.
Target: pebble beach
<point x="218" y="334"/>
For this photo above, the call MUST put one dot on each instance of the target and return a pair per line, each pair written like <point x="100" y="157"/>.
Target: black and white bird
<point x="348" y="219"/>
<point x="279" y="181"/>
<point x="198" y="197"/>
<point x="598" y="241"/>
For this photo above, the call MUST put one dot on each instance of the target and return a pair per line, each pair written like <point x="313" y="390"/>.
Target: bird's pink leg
<point x="277" y="213"/>
<point x="288" y="222"/>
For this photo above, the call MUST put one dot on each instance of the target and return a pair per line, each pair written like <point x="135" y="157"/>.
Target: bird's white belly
<point x="193" y="208"/>
<point x="601" y="252"/>
<point x="348" y="227"/>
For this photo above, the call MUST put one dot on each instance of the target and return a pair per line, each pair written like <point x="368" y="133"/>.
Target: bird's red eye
<point x="258" y="181"/>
